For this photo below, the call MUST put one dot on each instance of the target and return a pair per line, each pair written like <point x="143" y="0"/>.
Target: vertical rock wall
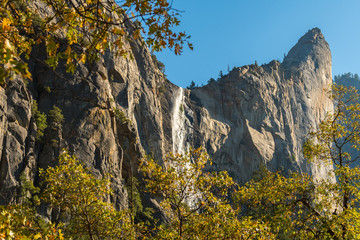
<point x="118" y="109"/>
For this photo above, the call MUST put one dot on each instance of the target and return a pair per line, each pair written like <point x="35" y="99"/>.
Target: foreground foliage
<point x="196" y="201"/>
<point x="78" y="204"/>
<point x="22" y="222"/>
<point x="295" y="207"/>
<point x="80" y="31"/>
<point x="337" y="142"/>
<point x="300" y="207"/>
<point x="80" y="199"/>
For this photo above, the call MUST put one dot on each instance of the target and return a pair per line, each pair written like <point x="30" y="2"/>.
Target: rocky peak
<point x="312" y="46"/>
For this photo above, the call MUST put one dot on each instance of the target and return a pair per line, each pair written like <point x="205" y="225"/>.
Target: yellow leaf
<point x="6" y="24"/>
<point x="83" y="58"/>
<point x="37" y="236"/>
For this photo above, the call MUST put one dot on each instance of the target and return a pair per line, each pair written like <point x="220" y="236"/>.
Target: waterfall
<point x="178" y="123"/>
<point x="181" y="131"/>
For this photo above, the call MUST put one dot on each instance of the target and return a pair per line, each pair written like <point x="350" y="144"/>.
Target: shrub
<point x="55" y="118"/>
<point x="40" y="120"/>
<point x="121" y="116"/>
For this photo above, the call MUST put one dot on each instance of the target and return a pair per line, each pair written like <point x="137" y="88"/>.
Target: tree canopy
<point x="80" y="30"/>
<point x="195" y="201"/>
<point x="300" y="207"/>
<point x="80" y="199"/>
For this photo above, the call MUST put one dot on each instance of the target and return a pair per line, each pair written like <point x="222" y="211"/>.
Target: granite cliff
<point x="119" y="109"/>
<point x="261" y="114"/>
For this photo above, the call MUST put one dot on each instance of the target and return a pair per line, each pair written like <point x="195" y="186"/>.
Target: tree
<point x="40" y="120"/>
<point x="139" y="214"/>
<point x="287" y="205"/>
<point x="76" y="197"/>
<point x="192" y="85"/>
<point x="195" y="201"/>
<point x="160" y="65"/>
<point x="79" y="31"/>
<point x="347" y="79"/>
<point x="22" y="221"/>
<point x="55" y="118"/>
<point x="221" y="75"/>
<point x="81" y="200"/>
<point x="300" y="207"/>
<point x="211" y="81"/>
<point x="338" y="134"/>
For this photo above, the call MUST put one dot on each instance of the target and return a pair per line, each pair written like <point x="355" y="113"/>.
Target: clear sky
<point x="228" y="33"/>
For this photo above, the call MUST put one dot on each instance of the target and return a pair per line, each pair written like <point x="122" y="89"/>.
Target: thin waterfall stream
<point x="178" y="123"/>
<point x="180" y="130"/>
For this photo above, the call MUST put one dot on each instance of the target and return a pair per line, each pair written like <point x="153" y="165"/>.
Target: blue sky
<point x="238" y="32"/>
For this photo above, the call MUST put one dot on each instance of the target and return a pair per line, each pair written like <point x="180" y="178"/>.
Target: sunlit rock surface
<point x="262" y="114"/>
<point x="253" y="115"/>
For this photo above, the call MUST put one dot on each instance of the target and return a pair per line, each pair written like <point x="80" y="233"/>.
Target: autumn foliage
<point x="300" y="207"/>
<point x="195" y="201"/>
<point x="80" y="31"/>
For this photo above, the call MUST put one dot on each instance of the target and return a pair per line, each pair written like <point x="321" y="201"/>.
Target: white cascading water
<point x="178" y="123"/>
<point x="179" y="133"/>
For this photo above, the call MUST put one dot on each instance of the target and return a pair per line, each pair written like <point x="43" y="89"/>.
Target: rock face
<point x="112" y="113"/>
<point x="262" y="114"/>
<point x="118" y="109"/>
